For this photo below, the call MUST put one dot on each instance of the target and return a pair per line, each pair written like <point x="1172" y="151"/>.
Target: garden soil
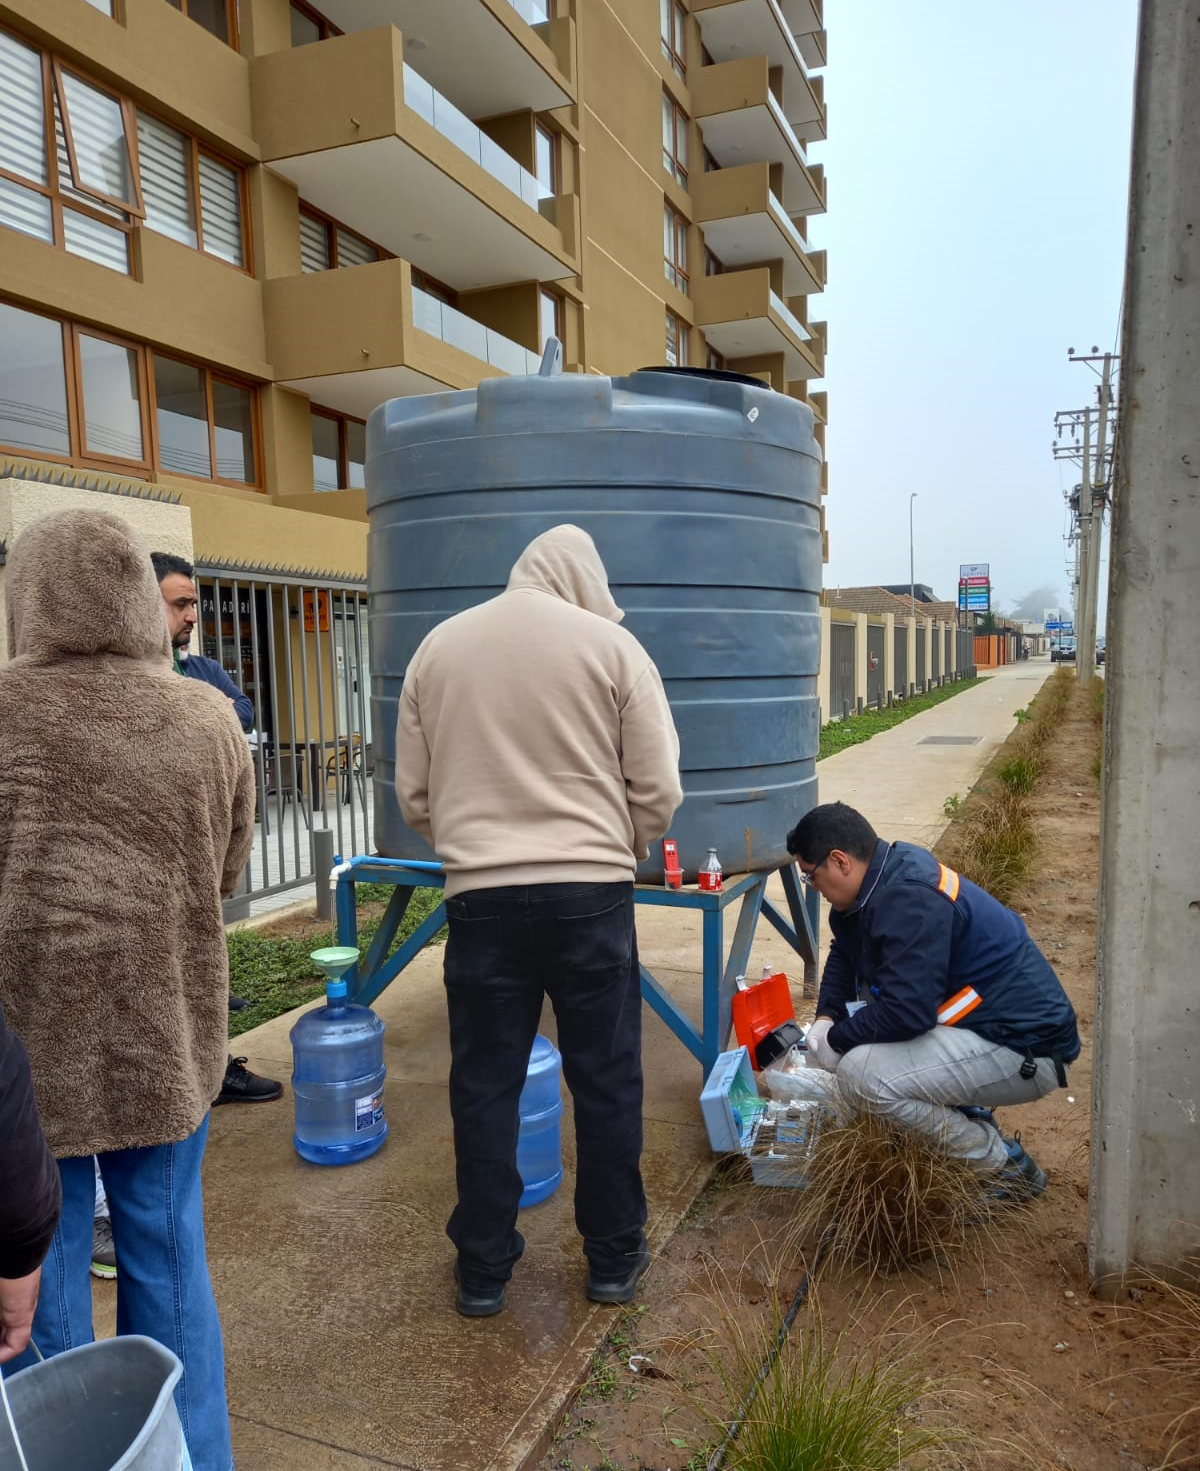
<point x="1013" y="1348"/>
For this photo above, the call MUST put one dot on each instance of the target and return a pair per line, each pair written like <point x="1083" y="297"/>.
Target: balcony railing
<point x="462" y="132"/>
<point x="783" y="311"/>
<point x="456" y="329"/>
<point x="531" y="11"/>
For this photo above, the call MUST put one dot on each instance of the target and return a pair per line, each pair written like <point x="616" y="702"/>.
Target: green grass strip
<point x="275" y="974"/>
<point x="839" y="735"/>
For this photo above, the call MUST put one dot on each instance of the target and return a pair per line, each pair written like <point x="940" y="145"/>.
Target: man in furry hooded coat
<point x="126" y="812"/>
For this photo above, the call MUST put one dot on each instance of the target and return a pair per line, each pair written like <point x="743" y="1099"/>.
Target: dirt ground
<point x="1015" y="1349"/>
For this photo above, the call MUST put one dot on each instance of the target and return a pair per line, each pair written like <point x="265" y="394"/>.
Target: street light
<point x="912" y="591"/>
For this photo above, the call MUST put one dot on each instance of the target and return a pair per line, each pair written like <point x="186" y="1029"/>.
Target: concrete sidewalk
<point x="343" y="1347"/>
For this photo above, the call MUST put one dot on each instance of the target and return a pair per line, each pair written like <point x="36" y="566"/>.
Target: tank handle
<point x="552" y="358"/>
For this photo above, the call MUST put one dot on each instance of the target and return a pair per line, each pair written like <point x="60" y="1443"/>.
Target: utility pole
<point x="1089" y="552"/>
<point x="912" y="586"/>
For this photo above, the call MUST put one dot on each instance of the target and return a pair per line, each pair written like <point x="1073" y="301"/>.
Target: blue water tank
<point x="337" y="1081"/>
<point x="539" y="1142"/>
<point x="702" y="494"/>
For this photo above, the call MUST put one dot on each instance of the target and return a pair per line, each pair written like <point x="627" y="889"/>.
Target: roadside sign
<point x="973" y="569"/>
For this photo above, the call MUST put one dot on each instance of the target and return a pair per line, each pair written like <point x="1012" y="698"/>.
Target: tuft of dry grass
<point x="894" y="1199"/>
<point x="995" y="842"/>
<point x="1171" y="1313"/>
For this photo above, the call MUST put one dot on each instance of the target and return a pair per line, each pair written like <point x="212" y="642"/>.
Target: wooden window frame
<point x="331" y="226"/>
<point x="674" y="43"/>
<point x="672" y="269"/>
<point x="129" y="121"/>
<point x="560" y="314"/>
<point x="194" y="149"/>
<point x="675" y="166"/>
<point x="231" y="22"/>
<point x="714" y="361"/>
<point x="341" y="420"/>
<point x="541" y="129"/>
<point x="681" y="339"/>
<point x="326" y="27"/>
<point x="149" y="465"/>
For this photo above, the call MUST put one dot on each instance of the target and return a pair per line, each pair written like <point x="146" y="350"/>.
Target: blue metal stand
<point x="798" y="927"/>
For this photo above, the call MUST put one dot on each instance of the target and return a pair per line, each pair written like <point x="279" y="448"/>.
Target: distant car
<point x="1064" y="649"/>
<point x="1100" y="648"/>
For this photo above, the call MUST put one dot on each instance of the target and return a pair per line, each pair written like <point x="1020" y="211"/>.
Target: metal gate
<point x="920" y="680"/>
<point x="935" y="649"/>
<point x="297" y="648"/>
<point x="841" y="671"/>
<point x="948" y="661"/>
<point x="876" y="638"/>
<point x="966" y="653"/>
<point x="900" y="659"/>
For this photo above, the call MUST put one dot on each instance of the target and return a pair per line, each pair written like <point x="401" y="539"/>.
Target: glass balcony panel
<point x="456" y="329"/>
<point x="782" y="310"/>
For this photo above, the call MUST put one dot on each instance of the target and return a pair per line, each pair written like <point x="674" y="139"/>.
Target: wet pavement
<point x="343" y="1348"/>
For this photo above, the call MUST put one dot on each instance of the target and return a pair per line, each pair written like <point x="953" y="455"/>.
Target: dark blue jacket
<point x="922" y="945"/>
<point x="195" y="666"/>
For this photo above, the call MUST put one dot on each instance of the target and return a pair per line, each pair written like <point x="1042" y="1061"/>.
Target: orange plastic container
<point x="760" y="1009"/>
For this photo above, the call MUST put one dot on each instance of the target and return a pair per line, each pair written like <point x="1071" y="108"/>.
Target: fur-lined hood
<point x="79" y="583"/>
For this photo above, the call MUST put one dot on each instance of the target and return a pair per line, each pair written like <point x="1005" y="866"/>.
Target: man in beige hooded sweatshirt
<point x="536" y="753"/>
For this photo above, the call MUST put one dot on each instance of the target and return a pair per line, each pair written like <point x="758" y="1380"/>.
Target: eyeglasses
<point x="807" y="874"/>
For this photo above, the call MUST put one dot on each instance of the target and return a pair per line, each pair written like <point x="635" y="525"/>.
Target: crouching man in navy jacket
<point x="935" y="1005"/>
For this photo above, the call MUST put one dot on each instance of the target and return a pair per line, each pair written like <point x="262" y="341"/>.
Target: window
<point x="550" y="317"/>
<point x="81" y="194"/>
<point x="104" y="6"/>
<point x="339" y="447"/>
<point x="675" y="134"/>
<point x="714" y="359"/>
<point x="191" y="195"/>
<point x="218" y="17"/>
<point x="110" y="167"/>
<point x="546" y="157"/>
<point x="309" y="25"/>
<point x="675" y="248"/>
<point x="713" y="264"/>
<point x="93" y="399"/>
<point x="325" y="245"/>
<point x="674" y="32"/>
<point x="677" y="341"/>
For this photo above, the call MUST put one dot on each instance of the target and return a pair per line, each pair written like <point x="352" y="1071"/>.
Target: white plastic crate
<point x="775" y="1137"/>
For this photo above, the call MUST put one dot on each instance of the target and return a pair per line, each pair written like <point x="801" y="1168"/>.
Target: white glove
<point x="820" y="1053"/>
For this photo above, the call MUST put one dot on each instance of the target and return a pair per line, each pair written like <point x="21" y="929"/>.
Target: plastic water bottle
<point x="709" y="877"/>
<point x="539" y="1143"/>
<point x="337" y="1081"/>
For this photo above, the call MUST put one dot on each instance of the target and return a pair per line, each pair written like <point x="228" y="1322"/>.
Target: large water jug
<point x="539" y="1143"/>
<point x="337" y="1080"/>
<point x="105" y="1406"/>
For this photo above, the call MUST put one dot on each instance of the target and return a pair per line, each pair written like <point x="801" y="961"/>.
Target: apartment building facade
<point x="229" y="229"/>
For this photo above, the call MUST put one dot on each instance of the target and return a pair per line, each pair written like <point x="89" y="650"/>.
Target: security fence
<point x="297" y="647"/>
<point x="873" y="659"/>
<point x="841" y="669"/>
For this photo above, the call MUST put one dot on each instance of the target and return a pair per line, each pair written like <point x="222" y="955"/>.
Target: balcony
<point x="492" y="59"/>
<point x="742" y="122"/>
<point x="803" y="16"/>
<point x="744" y="224"/>
<point x="733" y="29"/>
<point x="375" y="145"/>
<point x="742" y="317"/>
<point x="813" y="47"/>
<point x="352" y="339"/>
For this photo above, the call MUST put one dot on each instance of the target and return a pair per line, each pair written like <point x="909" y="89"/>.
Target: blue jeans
<point x="507" y="947"/>
<point x="163" y="1286"/>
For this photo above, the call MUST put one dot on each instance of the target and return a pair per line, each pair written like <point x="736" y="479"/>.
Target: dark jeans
<point x="507" y="948"/>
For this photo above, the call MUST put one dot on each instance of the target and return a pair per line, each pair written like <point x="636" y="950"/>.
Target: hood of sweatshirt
<point x="564" y="562"/>
<point x="81" y="583"/>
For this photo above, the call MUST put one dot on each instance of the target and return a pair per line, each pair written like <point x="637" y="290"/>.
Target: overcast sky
<point x="977" y="164"/>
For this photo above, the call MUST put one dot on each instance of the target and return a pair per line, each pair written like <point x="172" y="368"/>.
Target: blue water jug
<point x="539" y="1143"/>
<point x="337" y="1081"/>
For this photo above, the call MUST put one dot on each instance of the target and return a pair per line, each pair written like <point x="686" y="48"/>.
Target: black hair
<point x="167" y="562"/>
<point x="832" y="825"/>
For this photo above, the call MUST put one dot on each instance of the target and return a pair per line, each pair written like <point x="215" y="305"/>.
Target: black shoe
<point x="239" y="1003"/>
<point x="473" y="1304"/>
<point x="618" y="1289"/>
<point x="243" y="1086"/>
<point x="978" y="1114"/>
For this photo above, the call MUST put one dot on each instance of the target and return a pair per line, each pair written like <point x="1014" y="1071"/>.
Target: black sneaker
<point x="475" y="1304"/>
<point x="618" y="1289"/>
<point x="243" y="1086"/>
<point x="978" y="1114"/>
<point x="104" y="1251"/>
<point x="239" y="1003"/>
<point x="1022" y="1178"/>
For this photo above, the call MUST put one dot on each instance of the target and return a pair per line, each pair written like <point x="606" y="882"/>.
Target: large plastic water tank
<point x="701" y="492"/>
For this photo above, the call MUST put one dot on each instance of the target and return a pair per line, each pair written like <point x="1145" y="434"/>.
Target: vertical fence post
<point x="322" y="847"/>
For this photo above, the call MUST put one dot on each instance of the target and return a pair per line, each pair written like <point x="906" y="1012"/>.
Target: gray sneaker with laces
<point x="104" y="1251"/>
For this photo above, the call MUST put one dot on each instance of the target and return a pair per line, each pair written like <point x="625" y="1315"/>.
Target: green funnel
<point x="334" y="960"/>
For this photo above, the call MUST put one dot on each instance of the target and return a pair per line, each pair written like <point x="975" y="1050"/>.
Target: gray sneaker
<point x="104" y="1251"/>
